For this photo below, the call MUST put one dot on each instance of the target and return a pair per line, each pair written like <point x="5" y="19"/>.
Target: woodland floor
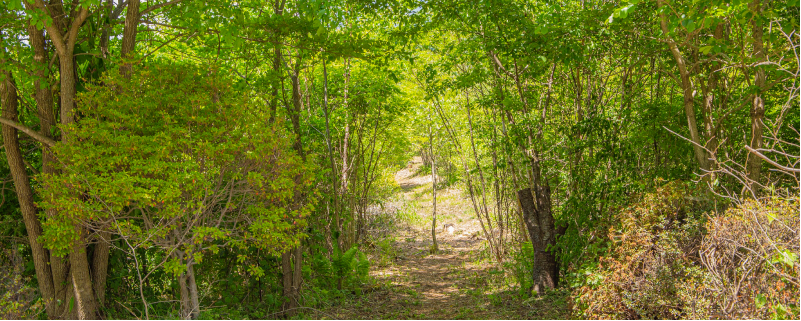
<point x="408" y="282"/>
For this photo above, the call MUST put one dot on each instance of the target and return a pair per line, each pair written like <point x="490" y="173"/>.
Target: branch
<point x="52" y="30"/>
<point x="770" y="161"/>
<point x="149" y="9"/>
<point x="25" y="129"/>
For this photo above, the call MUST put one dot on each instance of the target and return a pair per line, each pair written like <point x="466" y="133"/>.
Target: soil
<point x="454" y="282"/>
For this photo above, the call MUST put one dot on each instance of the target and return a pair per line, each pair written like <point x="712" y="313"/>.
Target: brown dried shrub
<point x="668" y="262"/>
<point x="653" y="263"/>
<point x="751" y="257"/>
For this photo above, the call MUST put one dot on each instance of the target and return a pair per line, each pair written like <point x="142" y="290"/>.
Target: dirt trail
<point x="451" y="284"/>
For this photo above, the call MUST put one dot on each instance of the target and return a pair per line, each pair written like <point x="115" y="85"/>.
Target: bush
<point x="672" y="258"/>
<point x="652" y="268"/>
<point x="18" y="300"/>
<point x="520" y="266"/>
<point x="751" y="257"/>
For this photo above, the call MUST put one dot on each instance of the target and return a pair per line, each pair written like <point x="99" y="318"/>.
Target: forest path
<point x="412" y="283"/>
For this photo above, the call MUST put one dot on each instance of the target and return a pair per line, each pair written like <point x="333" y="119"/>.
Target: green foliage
<point x="194" y="159"/>
<point x="18" y="297"/>
<point x="521" y="266"/>
<point x="187" y="151"/>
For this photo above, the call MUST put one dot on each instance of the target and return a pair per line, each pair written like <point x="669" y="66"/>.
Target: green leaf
<point x="705" y="49"/>
<point x="691" y="26"/>
<point x="760" y="300"/>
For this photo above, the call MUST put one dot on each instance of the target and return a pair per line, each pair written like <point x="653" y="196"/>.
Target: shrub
<point x="652" y="267"/>
<point x="18" y="300"/>
<point x="520" y="267"/>
<point x="670" y="260"/>
<point x="751" y="256"/>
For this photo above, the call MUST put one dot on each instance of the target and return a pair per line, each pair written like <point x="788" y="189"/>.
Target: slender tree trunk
<point x="753" y="163"/>
<point x="688" y="94"/>
<point x="434" y="247"/>
<point x="187" y="284"/>
<point x="292" y="277"/>
<point x="194" y="297"/>
<point x="348" y="240"/>
<point x="494" y="247"/>
<point x="278" y="9"/>
<point x="334" y="184"/>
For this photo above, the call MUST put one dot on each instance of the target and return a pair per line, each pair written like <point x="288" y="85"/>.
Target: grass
<point x="461" y="281"/>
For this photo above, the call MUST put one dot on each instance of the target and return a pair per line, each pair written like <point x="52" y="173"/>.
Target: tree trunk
<point x="434" y="247"/>
<point x="8" y="94"/>
<point x="190" y="303"/>
<point x="278" y="9"/>
<point x="129" y="35"/>
<point x="291" y="268"/>
<point x="687" y="92"/>
<point x="194" y="298"/>
<point x="81" y="278"/>
<point x="58" y="268"/>
<point x="334" y="184"/>
<point x="291" y="278"/>
<point x="536" y="207"/>
<point x="753" y="163"/>
<point x="100" y="266"/>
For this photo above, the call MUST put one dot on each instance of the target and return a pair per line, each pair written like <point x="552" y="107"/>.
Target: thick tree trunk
<point x="85" y="305"/>
<point x="54" y="268"/>
<point x="8" y="94"/>
<point x="291" y="267"/>
<point x="536" y="207"/>
<point x="129" y="35"/>
<point x="79" y="263"/>
<point x="100" y="266"/>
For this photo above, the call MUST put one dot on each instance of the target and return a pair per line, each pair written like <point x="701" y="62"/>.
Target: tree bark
<point x="85" y="304"/>
<point x="194" y="298"/>
<point x="190" y="303"/>
<point x="293" y="257"/>
<point x="129" y="34"/>
<point x="536" y="208"/>
<point x="434" y="248"/>
<point x="688" y="96"/>
<point x="334" y="184"/>
<point x="10" y="102"/>
<point x="754" y="163"/>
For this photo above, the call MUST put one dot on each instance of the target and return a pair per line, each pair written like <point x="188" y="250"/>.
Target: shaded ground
<point x="411" y="283"/>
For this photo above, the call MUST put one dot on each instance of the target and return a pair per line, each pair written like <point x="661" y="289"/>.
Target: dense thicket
<point x="214" y="159"/>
